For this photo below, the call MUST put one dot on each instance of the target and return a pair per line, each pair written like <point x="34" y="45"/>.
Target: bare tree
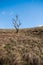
<point x="16" y="23"/>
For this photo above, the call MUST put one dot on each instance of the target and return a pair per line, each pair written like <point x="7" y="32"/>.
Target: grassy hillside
<point x="22" y="48"/>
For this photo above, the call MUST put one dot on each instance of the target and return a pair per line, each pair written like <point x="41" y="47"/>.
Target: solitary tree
<point x="16" y="23"/>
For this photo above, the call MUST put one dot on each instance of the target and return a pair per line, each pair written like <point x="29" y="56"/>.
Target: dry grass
<point x="22" y="48"/>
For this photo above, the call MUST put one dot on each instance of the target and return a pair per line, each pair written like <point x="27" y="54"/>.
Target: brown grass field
<point x="22" y="48"/>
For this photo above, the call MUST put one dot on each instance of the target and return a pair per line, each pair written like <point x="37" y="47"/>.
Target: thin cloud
<point x="11" y="13"/>
<point x="40" y="25"/>
<point x="3" y="12"/>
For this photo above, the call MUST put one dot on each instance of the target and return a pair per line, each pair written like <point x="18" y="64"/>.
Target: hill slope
<point x="22" y="48"/>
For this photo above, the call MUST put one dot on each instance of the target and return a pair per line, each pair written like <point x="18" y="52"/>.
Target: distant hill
<point x="22" y="48"/>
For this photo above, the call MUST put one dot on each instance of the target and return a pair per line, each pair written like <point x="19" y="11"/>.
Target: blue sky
<point x="30" y="13"/>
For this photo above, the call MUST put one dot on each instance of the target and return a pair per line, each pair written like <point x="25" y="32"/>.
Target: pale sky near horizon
<point x="30" y="13"/>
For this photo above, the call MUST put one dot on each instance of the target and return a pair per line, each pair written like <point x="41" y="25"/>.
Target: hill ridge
<point x="22" y="48"/>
